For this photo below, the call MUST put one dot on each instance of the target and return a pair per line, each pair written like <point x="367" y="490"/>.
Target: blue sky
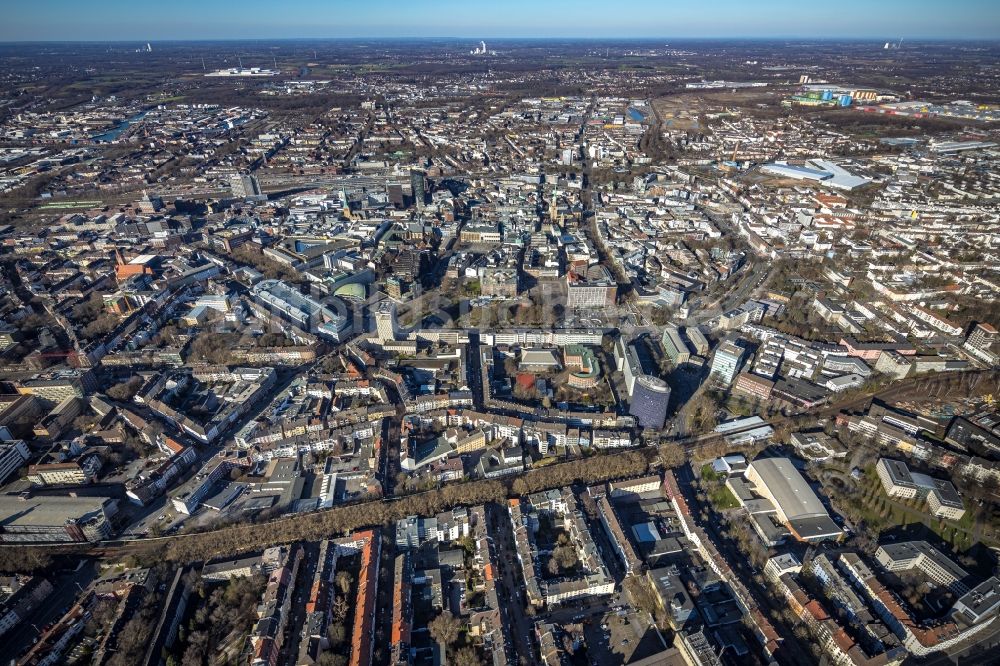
<point x="142" y="20"/>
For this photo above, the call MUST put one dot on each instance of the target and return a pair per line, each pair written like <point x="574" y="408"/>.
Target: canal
<point x="117" y="130"/>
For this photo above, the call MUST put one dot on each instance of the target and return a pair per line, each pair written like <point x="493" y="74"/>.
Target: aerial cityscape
<point x="350" y="342"/>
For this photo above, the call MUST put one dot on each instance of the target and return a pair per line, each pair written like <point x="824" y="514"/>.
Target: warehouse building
<point x="25" y="519"/>
<point x="777" y="480"/>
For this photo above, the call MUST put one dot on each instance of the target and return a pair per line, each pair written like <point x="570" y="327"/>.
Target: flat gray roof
<point x="899" y="473"/>
<point x="981" y="600"/>
<point x="739" y="424"/>
<point x="947" y="494"/>
<point x="790" y="491"/>
<point x="906" y="550"/>
<point x="817" y="527"/>
<point x="285" y="470"/>
<point x="768" y="524"/>
<point x="46" y="511"/>
<point x="228" y="565"/>
<point x="739" y="488"/>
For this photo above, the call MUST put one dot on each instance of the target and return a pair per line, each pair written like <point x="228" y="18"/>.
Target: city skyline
<point x="115" y="20"/>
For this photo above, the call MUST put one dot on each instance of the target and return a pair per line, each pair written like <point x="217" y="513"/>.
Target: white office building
<point x="13" y="455"/>
<point x="727" y="362"/>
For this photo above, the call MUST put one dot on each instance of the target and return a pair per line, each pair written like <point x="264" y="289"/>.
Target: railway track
<point x="117" y="548"/>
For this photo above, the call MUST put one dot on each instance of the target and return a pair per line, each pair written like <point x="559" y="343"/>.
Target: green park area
<point x="881" y="512"/>
<point x="714" y="485"/>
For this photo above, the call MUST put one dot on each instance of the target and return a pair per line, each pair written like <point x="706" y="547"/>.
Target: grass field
<point x="722" y="499"/>
<point x="720" y="496"/>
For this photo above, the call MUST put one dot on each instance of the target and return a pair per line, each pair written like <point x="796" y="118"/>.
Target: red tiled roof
<point x="842" y="640"/>
<point x="364" y="613"/>
<point x="173" y="444"/>
<point x="816" y="609"/>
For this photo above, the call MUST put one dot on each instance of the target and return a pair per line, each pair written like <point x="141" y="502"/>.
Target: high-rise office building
<point x="633" y="361"/>
<point x="727" y="362"/>
<point x="395" y="193"/>
<point x="981" y="339"/>
<point x="674" y="346"/>
<point x="698" y="340"/>
<point x="418" y="186"/>
<point x="244" y="186"/>
<point x="13" y="455"/>
<point x="650" y="399"/>
<point x="590" y="288"/>
<point x="386" y="325"/>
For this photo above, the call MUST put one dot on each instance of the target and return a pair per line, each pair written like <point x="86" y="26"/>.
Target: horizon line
<point x="833" y="38"/>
